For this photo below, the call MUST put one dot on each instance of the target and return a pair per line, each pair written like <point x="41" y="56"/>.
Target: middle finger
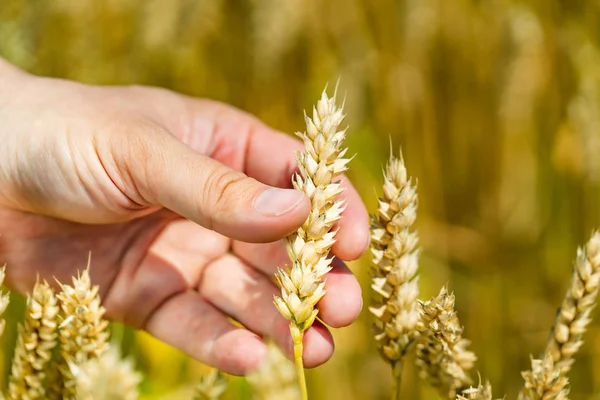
<point x="246" y="295"/>
<point x="342" y="302"/>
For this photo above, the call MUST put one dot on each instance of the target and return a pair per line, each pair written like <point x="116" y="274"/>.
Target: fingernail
<point x="275" y="202"/>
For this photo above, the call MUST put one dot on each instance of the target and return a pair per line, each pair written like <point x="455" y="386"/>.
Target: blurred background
<point x="496" y="105"/>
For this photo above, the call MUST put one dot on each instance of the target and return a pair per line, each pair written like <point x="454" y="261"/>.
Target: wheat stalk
<point x="545" y="381"/>
<point x="37" y="338"/>
<point x="108" y="377"/>
<point x="302" y="283"/>
<point x="276" y="378"/>
<point x="395" y="261"/>
<point x="82" y="333"/>
<point x="442" y="356"/>
<point x="212" y="385"/>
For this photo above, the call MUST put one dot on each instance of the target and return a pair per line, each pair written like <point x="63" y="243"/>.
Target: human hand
<point x="175" y="198"/>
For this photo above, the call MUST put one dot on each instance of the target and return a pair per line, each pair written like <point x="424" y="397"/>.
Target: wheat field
<point x="495" y="104"/>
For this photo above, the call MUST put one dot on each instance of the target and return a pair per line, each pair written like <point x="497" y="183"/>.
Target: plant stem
<point x="297" y="336"/>
<point x="397" y="375"/>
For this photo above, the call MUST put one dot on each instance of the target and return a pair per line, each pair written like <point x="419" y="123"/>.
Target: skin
<point x="166" y="192"/>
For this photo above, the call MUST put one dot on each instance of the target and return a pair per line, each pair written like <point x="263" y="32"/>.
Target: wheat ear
<point x="548" y="375"/>
<point x="302" y="283"/>
<point x="276" y="378"/>
<point x="108" y="377"/>
<point x="36" y="339"/>
<point x="4" y="299"/>
<point x="83" y="335"/>
<point x="395" y="261"/>
<point x="574" y="313"/>
<point x="545" y="381"/>
<point x="212" y="385"/>
<point x="442" y="356"/>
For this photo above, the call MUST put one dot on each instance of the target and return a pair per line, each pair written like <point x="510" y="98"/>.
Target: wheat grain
<point x="212" y="385"/>
<point x="37" y="338"/>
<point x="276" y="378"/>
<point x="574" y="314"/>
<point x="323" y="160"/>
<point x="481" y="392"/>
<point x="108" y="377"/>
<point x="395" y="261"/>
<point x="545" y="381"/>
<point x="82" y="333"/>
<point x="442" y="356"/>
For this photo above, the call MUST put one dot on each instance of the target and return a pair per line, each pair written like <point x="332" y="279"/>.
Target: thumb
<point x="167" y="173"/>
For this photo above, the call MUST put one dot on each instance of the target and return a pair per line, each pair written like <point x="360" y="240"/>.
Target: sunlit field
<point x="495" y="105"/>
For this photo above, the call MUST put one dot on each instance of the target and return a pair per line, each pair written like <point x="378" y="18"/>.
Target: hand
<point x="177" y="200"/>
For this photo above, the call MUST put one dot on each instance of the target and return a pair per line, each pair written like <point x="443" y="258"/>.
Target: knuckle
<point x="144" y="158"/>
<point x="222" y="189"/>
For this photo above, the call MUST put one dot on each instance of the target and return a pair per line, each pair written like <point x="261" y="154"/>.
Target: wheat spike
<point x="83" y="335"/>
<point x="574" y="314"/>
<point x="276" y="378"/>
<point x="442" y="356"/>
<point x="547" y="378"/>
<point x="108" y="377"/>
<point x="37" y="338"/>
<point x="212" y="385"/>
<point x="545" y="381"/>
<point x="4" y="299"/>
<point x="395" y="261"/>
<point x="322" y="161"/>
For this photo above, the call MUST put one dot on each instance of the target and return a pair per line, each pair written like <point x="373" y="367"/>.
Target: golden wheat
<point x="4" y="299"/>
<point x="548" y="377"/>
<point x="395" y="261"/>
<point x="442" y="356"/>
<point x="212" y="385"/>
<point x="108" y="377"/>
<point x="545" y="381"/>
<point x="302" y="283"/>
<point x="82" y="333"/>
<point x="276" y="378"/>
<point x="36" y="339"/>
<point x="574" y="313"/>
